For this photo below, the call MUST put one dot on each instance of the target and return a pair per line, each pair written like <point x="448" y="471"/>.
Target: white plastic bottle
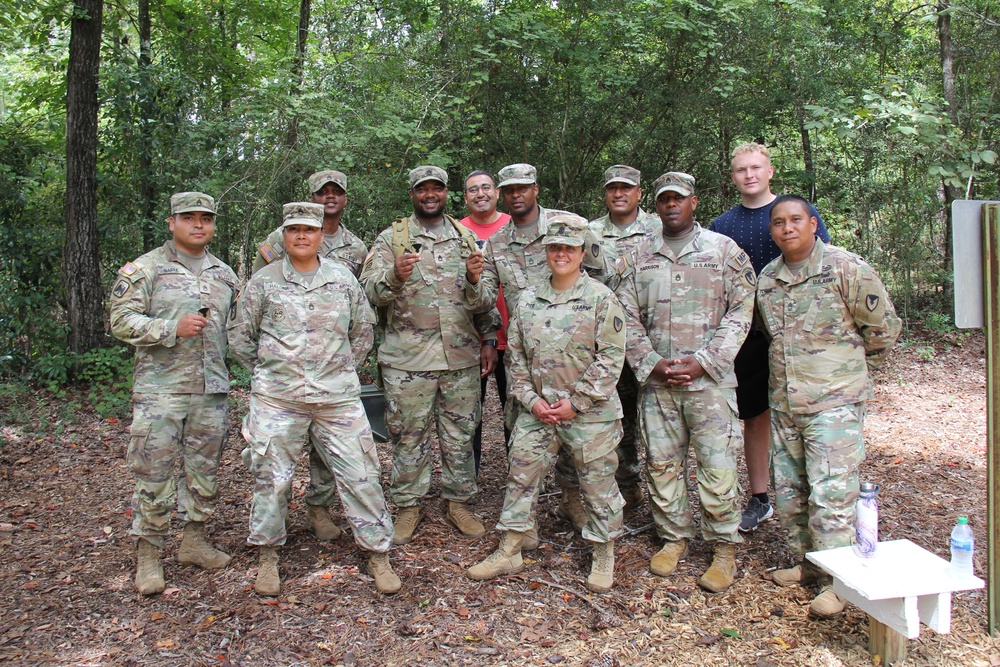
<point x="962" y="545"/>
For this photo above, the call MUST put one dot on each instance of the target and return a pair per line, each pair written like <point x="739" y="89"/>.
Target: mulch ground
<point x="66" y="561"/>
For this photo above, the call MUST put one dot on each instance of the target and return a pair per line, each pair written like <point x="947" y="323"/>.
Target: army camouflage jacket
<point x="343" y="247"/>
<point x="303" y="342"/>
<point x="519" y="262"/>
<point x="830" y="323"/>
<point x="568" y="344"/>
<point x="431" y="316"/>
<point x="617" y="242"/>
<point x="699" y="303"/>
<point x="149" y="296"/>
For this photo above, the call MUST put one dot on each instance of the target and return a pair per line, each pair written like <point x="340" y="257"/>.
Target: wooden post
<point x="885" y="642"/>
<point x="991" y="312"/>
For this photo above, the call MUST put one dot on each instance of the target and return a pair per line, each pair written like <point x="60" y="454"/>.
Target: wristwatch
<point x="492" y="341"/>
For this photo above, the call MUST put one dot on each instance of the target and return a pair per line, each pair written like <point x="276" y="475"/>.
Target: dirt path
<point x="66" y="561"/>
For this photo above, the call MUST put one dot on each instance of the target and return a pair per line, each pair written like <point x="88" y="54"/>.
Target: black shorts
<point x="751" y="375"/>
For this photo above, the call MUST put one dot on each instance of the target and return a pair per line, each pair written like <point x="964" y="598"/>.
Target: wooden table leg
<point x="885" y="642"/>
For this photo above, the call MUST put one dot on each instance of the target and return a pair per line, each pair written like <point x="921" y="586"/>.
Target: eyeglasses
<point x="474" y="190"/>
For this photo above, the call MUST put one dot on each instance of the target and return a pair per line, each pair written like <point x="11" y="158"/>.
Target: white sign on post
<point x="967" y="258"/>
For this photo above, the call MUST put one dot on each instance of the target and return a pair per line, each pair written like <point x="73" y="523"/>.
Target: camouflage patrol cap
<point x="302" y="213"/>
<point x="675" y="181"/>
<point x="321" y="178"/>
<point x="621" y="173"/>
<point x="186" y="202"/>
<point x="428" y="173"/>
<point x="515" y="174"/>
<point x="566" y="229"/>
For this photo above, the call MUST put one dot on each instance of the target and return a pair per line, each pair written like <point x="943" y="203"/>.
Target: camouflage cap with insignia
<point x="674" y="181"/>
<point x="565" y="229"/>
<point x="187" y="202"/>
<point x="517" y="174"/>
<point x="428" y="173"/>
<point x="621" y="173"/>
<point x="321" y="178"/>
<point x="302" y="213"/>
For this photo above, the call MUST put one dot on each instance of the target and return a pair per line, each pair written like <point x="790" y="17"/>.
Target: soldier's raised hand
<point x="403" y="266"/>
<point x="474" y="267"/>
<point x="190" y="326"/>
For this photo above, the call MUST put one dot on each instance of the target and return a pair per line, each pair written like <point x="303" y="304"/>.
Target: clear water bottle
<point x="962" y="545"/>
<point x="866" y="521"/>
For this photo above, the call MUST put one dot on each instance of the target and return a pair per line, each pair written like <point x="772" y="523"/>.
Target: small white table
<point x="901" y="586"/>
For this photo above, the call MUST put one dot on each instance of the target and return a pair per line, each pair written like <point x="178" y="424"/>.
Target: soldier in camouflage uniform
<point x="328" y="188"/>
<point x="689" y="297"/>
<point x="516" y="254"/>
<point x="567" y="347"/>
<point x="302" y="326"/>
<point x="830" y="321"/>
<point x="621" y="231"/>
<point x="431" y="354"/>
<point x="173" y="305"/>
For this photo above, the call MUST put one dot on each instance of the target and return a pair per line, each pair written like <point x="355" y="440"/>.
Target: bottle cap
<point x="963" y="519"/>
<point x="868" y="486"/>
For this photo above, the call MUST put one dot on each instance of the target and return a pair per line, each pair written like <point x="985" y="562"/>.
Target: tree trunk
<point x="807" y="154"/>
<point x="298" y="68"/>
<point x="948" y="89"/>
<point x="147" y="190"/>
<point x="84" y="298"/>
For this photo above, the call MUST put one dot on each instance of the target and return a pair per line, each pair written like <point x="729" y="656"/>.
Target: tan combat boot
<point x="149" y="569"/>
<point x="406" y="523"/>
<point x="633" y="496"/>
<point x="268" y="581"/>
<point x="827" y="603"/>
<point x="571" y="508"/>
<point x="602" y="567"/>
<point x="459" y="516"/>
<point x="322" y="525"/>
<point x="665" y="562"/>
<point x="802" y="575"/>
<point x="195" y="550"/>
<point x="530" y="540"/>
<point x="380" y="568"/>
<point x="505" y="560"/>
<point x="721" y="572"/>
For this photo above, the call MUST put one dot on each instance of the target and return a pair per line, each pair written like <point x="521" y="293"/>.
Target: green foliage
<point x="847" y="95"/>
<point x="239" y="377"/>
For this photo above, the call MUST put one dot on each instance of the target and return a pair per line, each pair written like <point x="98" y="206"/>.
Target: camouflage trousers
<point x="591" y="448"/>
<point x="814" y="469"/>
<point x="417" y="402"/>
<point x="322" y="489"/>
<point x="167" y="428"/>
<point x="669" y="421"/>
<point x="277" y="430"/>
<point x="629" y="465"/>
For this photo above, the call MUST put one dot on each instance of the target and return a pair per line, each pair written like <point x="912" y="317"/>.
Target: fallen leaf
<point x="897" y="461"/>
<point x="470" y="638"/>
<point x="534" y="585"/>
<point x="171" y="591"/>
<point x="108" y="530"/>
<point x="708" y="640"/>
<point x="291" y="599"/>
<point x="729" y="632"/>
<point x="785" y="645"/>
<point x="165" y="643"/>
<point x="326" y="575"/>
<point x="567" y="597"/>
<point x="23" y="459"/>
<point x="157" y="616"/>
<point x="463" y="612"/>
